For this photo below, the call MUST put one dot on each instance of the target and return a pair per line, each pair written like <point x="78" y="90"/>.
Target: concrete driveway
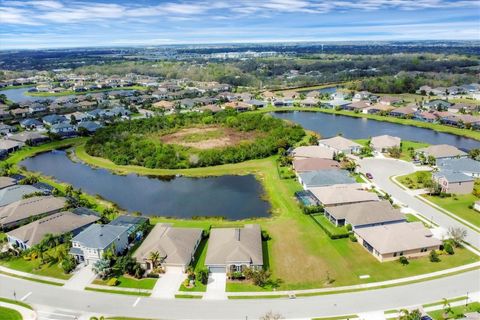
<point x="169" y="283"/>
<point x="82" y="277"/>
<point x="217" y="282"/>
<point x="383" y="169"/>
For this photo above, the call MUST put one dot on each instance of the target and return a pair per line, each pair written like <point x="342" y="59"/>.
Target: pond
<point x="329" y="125"/>
<point x="230" y="196"/>
<point x="19" y="95"/>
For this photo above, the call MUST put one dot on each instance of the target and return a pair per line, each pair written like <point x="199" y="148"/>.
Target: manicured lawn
<point x="9" y="314"/>
<point x="407" y="145"/>
<point x="459" y="205"/>
<point x="128" y="282"/>
<point x="35" y="267"/>
<point x="3" y="236"/>
<point x="127" y="293"/>
<point x="71" y="92"/>
<point x="415" y="180"/>
<point x="457" y="312"/>
<point x="19" y="303"/>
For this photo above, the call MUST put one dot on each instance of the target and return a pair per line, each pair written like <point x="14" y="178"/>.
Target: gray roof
<point x="7" y="182"/>
<point x="235" y="245"/>
<point x="175" y="245"/>
<point x="15" y="193"/>
<point x="99" y="236"/>
<point x="398" y="237"/>
<point x="365" y="213"/>
<point x="56" y="224"/>
<point x="459" y="165"/>
<point x="326" y="177"/>
<point x="452" y="176"/>
<point x="30" y="207"/>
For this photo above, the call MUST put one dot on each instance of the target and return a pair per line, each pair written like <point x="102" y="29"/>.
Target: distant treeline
<point x="130" y="142"/>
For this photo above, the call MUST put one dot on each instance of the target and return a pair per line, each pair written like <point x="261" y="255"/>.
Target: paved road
<point x="383" y="169"/>
<point x="326" y="305"/>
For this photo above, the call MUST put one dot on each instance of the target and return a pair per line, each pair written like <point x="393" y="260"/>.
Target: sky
<point x="27" y="24"/>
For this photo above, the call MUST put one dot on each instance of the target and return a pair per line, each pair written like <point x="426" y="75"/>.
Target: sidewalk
<point x="32" y="276"/>
<point x="27" y="314"/>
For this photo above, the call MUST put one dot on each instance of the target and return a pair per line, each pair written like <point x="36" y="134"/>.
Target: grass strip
<point x="31" y="279"/>
<point x="18" y="303"/>
<point x="187" y="296"/>
<point x="128" y="293"/>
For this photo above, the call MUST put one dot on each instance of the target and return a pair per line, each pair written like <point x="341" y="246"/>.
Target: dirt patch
<point x="208" y="137"/>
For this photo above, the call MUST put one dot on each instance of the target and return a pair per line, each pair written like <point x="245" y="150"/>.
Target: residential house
<point x="438" y="105"/>
<point x="361" y="95"/>
<point x="403" y="112"/>
<point x="31" y="124"/>
<point x="340" y="144"/>
<point x="466" y="166"/>
<point x="364" y="214"/>
<point x="389" y="101"/>
<point x="306" y="152"/>
<point x="343" y="194"/>
<point x="283" y="102"/>
<point x="7" y="182"/>
<point x="358" y="106"/>
<point x="385" y="142"/>
<point x="210" y="107"/>
<point x="37" y="108"/>
<point x="253" y="103"/>
<point x="56" y="224"/>
<point x="21" y="211"/>
<point x="234" y="249"/>
<point x="389" y="242"/>
<point x="461" y="120"/>
<point x="30" y="138"/>
<point x="8" y="146"/>
<point x="63" y="129"/>
<point x="454" y="182"/>
<point x="377" y="108"/>
<point x="53" y="119"/>
<point x="89" y="245"/>
<point x="15" y="193"/>
<point x="327" y="177"/>
<point x="176" y="246"/>
<point x="464" y="108"/>
<point x="314" y="164"/>
<point x="90" y="126"/>
<point x="6" y="129"/>
<point x="442" y="151"/>
<point x="425" y="116"/>
<point x="309" y="102"/>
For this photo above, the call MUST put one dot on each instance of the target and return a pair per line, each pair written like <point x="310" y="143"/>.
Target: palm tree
<point x="154" y="257"/>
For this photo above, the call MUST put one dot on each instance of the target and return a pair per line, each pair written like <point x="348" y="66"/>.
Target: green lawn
<point x="407" y="145"/>
<point x="3" y="236"/>
<point x="415" y="180"/>
<point x="128" y="282"/>
<point x="9" y="314"/>
<point x="36" y="267"/>
<point x="127" y="293"/>
<point x="459" y="205"/>
<point x="19" y="303"/>
<point x="457" y="312"/>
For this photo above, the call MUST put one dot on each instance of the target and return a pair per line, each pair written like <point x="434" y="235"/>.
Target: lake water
<point x="232" y="197"/>
<point x="19" y="95"/>
<point x="329" y="125"/>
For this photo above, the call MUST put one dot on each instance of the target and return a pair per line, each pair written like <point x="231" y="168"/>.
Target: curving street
<point x="383" y="169"/>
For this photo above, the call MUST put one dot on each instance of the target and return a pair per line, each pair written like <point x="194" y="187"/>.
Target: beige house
<point x="314" y="164"/>
<point x="306" y="152"/>
<point x="340" y="144"/>
<point x="389" y="242"/>
<point x="59" y="223"/>
<point x="6" y="182"/>
<point x="176" y="246"/>
<point x="21" y="211"/>
<point x="234" y="249"/>
<point x="442" y="151"/>
<point x="385" y="142"/>
<point x="341" y="194"/>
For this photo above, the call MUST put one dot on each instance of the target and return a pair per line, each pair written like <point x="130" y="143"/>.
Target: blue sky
<point x="64" y="23"/>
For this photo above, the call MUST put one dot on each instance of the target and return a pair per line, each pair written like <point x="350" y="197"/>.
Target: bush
<point x="434" y="256"/>
<point x="265" y="236"/>
<point x="259" y="277"/>
<point x="112" y="282"/>
<point x="448" y="248"/>
<point x="352" y="237"/>
<point x="349" y="227"/>
<point x="403" y="260"/>
<point x="202" y="275"/>
<point x="68" y="264"/>
<point x="153" y="275"/>
<point x="312" y="209"/>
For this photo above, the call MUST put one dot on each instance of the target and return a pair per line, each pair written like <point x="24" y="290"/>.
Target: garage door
<point x="217" y="269"/>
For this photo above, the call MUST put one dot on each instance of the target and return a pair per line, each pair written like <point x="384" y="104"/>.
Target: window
<point x="394" y="254"/>
<point x="401" y="253"/>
